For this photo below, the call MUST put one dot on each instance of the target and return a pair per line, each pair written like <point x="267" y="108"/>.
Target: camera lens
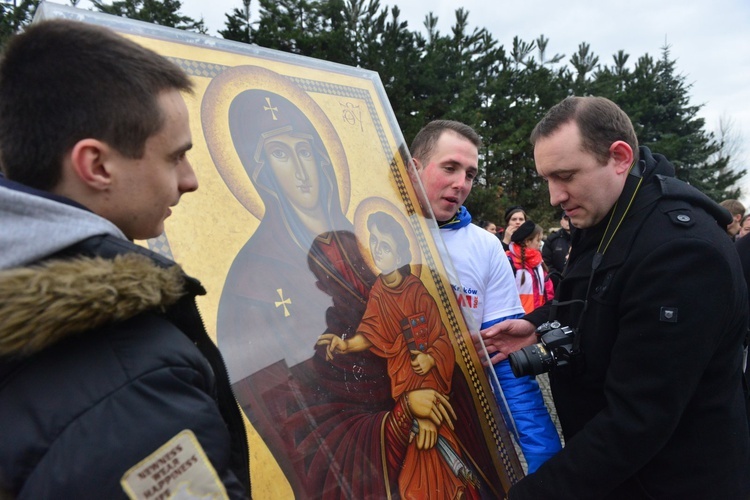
<point x="531" y="360"/>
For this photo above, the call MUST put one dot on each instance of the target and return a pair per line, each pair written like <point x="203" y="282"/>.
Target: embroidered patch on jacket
<point x="668" y="314"/>
<point x="178" y="469"/>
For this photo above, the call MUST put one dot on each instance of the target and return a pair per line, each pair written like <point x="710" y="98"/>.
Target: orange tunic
<point x="425" y="474"/>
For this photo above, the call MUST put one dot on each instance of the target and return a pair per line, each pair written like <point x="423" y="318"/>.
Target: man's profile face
<point x="448" y="174"/>
<point x="144" y="189"/>
<point x="578" y="182"/>
<point x="293" y="164"/>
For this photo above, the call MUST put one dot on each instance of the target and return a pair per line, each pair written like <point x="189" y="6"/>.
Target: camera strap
<point x="619" y="212"/>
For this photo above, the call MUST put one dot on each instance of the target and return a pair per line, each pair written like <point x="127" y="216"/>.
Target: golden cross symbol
<point x="283" y="302"/>
<point x="271" y="109"/>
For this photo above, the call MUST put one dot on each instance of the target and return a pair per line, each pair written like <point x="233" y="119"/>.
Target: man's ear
<point x="622" y="154"/>
<point x="89" y="162"/>
<point x="417" y="164"/>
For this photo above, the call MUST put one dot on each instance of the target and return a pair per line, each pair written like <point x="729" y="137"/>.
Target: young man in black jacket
<point x="109" y="384"/>
<point x="650" y="400"/>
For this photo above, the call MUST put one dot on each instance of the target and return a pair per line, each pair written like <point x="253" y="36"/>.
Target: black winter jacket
<point x="654" y="407"/>
<point x="104" y="359"/>
<point x="555" y="250"/>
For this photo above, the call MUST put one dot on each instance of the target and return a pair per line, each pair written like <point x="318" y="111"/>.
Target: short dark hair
<point x="423" y="145"/>
<point x="62" y="81"/>
<point x="600" y="121"/>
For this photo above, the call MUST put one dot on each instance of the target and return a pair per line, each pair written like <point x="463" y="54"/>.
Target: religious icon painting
<point x="328" y="293"/>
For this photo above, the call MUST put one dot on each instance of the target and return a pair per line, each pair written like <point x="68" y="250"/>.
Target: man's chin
<point x="446" y="214"/>
<point x="582" y="222"/>
<point x="148" y="235"/>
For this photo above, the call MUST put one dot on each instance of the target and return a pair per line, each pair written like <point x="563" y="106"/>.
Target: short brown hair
<point x="423" y="145"/>
<point x="600" y="121"/>
<point x="734" y="207"/>
<point x="62" y="81"/>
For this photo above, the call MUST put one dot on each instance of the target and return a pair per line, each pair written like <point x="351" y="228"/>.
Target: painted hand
<point x="427" y="436"/>
<point x="430" y="404"/>
<point x="421" y="362"/>
<point x="334" y="343"/>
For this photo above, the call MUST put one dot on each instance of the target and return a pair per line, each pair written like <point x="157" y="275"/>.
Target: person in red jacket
<point x="534" y="286"/>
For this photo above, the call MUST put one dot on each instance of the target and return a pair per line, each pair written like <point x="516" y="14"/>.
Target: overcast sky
<point x="710" y="40"/>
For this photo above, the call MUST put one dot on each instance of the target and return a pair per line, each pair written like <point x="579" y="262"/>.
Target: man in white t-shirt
<point x="446" y="155"/>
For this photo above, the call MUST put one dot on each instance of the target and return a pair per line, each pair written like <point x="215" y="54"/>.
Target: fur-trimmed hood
<point x="42" y="304"/>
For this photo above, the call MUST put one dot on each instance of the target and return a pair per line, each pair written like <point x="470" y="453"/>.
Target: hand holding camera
<point x="555" y="348"/>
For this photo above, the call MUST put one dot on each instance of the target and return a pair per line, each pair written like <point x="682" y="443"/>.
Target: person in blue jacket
<point x="446" y="156"/>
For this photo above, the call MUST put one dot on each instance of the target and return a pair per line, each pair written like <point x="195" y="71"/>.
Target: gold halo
<point x="215" y="120"/>
<point x="371" y="205"/>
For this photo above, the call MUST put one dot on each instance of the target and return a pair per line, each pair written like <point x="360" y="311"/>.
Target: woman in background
<point x="514" y="217"/>
<point x="488" y="226"/>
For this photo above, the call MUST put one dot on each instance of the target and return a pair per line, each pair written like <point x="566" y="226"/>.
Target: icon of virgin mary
<point x="333" y="426"/>
<point x="301" y="270"/>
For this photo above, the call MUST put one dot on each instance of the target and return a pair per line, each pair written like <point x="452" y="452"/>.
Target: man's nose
<point x="188" y="181"/>
<point x="557" y="195"/>
<point x="459" y="180"/>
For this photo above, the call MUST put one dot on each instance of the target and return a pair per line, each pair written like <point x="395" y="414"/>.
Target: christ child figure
<point x="402" y="324"/>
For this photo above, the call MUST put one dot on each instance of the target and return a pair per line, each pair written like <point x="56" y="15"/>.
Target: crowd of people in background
<point x="555" y="248"/>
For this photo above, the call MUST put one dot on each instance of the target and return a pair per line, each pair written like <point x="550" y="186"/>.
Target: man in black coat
<point x="651" y="402"/>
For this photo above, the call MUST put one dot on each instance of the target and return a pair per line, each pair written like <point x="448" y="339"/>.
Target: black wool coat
<point x="654" y="407"/>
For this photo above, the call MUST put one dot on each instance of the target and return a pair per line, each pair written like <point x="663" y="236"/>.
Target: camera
<point x="555" y="349"/>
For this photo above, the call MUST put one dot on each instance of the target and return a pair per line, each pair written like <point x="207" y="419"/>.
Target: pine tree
<point x="520" y="92"/>
<point x="162" y="12"/>
<point x="658" y="102"/>
<point x="14" y="15"/>
<point x="238" y="27"/>
<point x="286" y="25"/>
